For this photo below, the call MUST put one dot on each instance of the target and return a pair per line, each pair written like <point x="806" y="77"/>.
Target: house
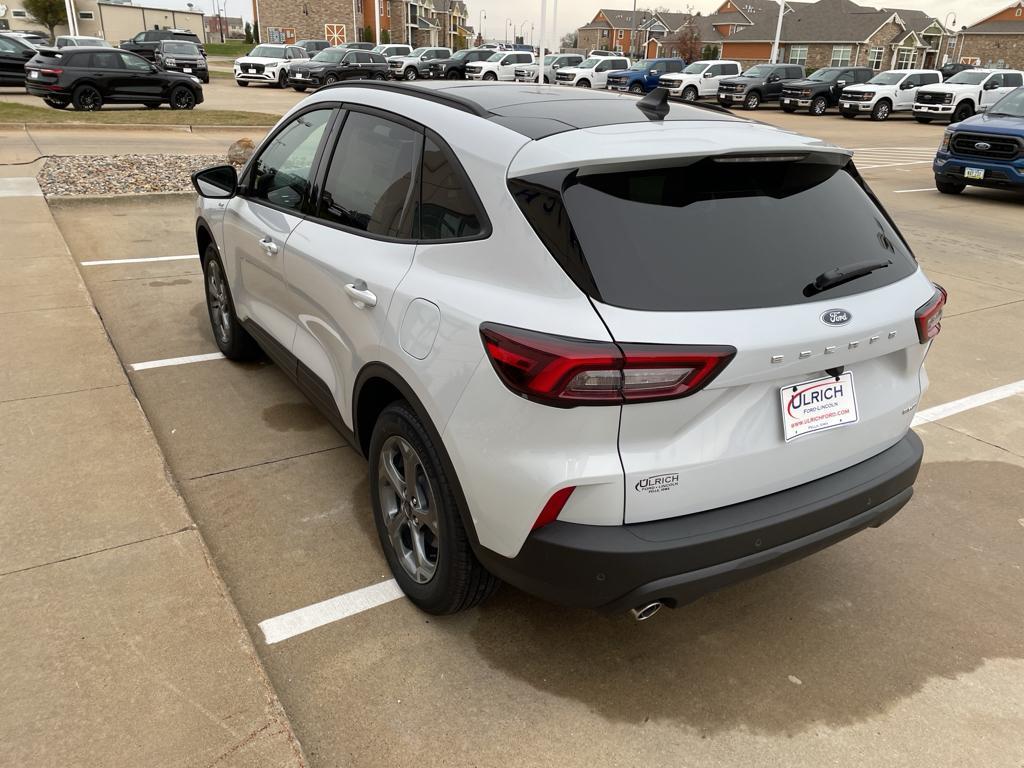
<point x="827" y="33"/>
<point x="613" y="30"/>
<point x="996" y="41"/>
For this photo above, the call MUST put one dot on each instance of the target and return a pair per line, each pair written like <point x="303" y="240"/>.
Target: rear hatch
<point x="723" y="249"/>
<point x="45" y="68"/>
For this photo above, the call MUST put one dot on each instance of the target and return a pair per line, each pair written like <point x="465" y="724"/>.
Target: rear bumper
<point x="680" y="559"/>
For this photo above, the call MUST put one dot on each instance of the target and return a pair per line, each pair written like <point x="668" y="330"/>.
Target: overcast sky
<point x="575" y="13"/>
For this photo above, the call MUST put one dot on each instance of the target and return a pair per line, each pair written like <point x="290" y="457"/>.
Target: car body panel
<point x="1003" y="168"/>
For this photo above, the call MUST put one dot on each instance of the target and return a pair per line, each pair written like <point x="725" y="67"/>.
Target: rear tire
<point x="881" y="111"/>
<point x="86" y="98"/>
<point x="949" y="187"/>
<point x="232" y="339"/>
<point x="441" y="575"/>
<point x="56" y="103"/>
<point x="380" y="76"/>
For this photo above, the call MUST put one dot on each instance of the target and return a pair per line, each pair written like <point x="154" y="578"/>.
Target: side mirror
<point x="991" y="85"/>
<point x="840" y="83"/>
<point x="708" y="74"/>
<point x="654" y="71"/>
<point x="773" y="78"/>
<point x="217" y="183"/>
<point x="555" y="67"/>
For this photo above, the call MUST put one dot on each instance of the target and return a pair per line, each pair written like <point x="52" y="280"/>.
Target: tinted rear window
<point x="712" y="236"/>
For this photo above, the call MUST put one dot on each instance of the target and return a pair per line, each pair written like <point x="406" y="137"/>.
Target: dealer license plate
<point x="188" y="70"/>
<point x="974" y="173"/>
<point x="817" y="405"/>
<point x="252" y="71"/>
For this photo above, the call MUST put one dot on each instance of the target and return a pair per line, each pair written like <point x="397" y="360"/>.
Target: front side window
<point x="447" y="209"/>
<point x="841" y="55"/>
<point x="282" y="172"/>
<point x="875" y="58"/>
<point x="370" y="180"/>
<point x="798" y="54"/>
<point x="135" y="63"/>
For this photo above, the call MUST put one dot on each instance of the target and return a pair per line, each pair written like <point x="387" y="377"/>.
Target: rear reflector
<point x="554" y="507"/>
<point x="567" y="372"/>
<point x="929" y="316"/>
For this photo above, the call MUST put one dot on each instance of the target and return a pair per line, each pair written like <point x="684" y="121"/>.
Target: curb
<point x="135" y="127"/>
<point x="69" y="201"/>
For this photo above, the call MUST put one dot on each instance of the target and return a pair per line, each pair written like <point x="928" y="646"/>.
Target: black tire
<point x="949" y="187"/>
<point x="546" y="81"/>
<point x="819" y="106"/>
<point x="922" y="120"/>
<point x="206" y="80"/>
<point x="453" y="74"/>
<point x="583" y="84"/>
<point x="458" y="580"/>
<point x="330" y="79"/>
<point x="961" y="113"/>
<point x="232" y="339"/>
<point x="690" y="93"/>
<point x="411" y="73"/>
<point x="637" y="89"/>
<point x="242" y="83"/>
<point x="380" y="76"/>
<point x="282" y="79"/>
<point x="299" y="88"/>
<point x="182" y="97"/>
<point x="55" y="103"/>
<point x="86" y="98"/>
<point x="490" y="76"/>
<point x="753" y="100"/>
<point x="882" y="110"/>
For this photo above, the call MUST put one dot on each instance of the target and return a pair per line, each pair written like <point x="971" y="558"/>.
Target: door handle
<point x="268" y="245"/>
<point x="360" y="295"/>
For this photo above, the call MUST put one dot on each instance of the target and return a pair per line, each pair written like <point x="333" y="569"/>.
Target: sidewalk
<point x="119" y="643"/>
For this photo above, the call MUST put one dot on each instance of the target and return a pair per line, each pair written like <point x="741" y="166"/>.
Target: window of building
<point x="370" y="180"/>
<point x="841" y="55"/>
<point x="798" y="54"/>
<point x="87" y="15"/>
<point x="904" y="58"/>
<point x="282" y="172"/>
<point x="19" y="14"/>
<point x="875" y="58"/>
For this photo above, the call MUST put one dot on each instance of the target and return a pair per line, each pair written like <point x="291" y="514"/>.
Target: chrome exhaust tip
<point x="644" y="612"/>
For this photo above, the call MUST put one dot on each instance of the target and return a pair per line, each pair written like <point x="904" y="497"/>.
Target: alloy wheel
<point x="409" y="509"/>
<point x="217" y="299"/>
<point x="690" y="94"/>
<point x="89" y="100"/>
<point x="330" y="80"/>
<point x="183" y="99"/>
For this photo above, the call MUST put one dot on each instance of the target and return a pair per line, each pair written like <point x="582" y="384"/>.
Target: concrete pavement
<point x="120" y="643"/>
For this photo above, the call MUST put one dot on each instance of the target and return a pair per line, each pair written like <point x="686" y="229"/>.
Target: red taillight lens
<point x="54" y="72"/>
<point x="554" y="507"/>
<point x="929" y="316"/>
<point x="566" y="372"/>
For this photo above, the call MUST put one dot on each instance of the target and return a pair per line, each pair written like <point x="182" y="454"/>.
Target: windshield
<point x="1011" y="105"/>
<point x="642" y="65"/>
<point x="887" y="78"/>
<point x="696" y="68"/>
<point x="95" y="41"/>
<point x="549" y="59"/>
<point x="589" y="64"/>
<point x="824" y="74"/>
<point x="497" y="57"/>
<point x="758" y="71"/>
<point x="968" y="78"/>
<point x="331" y="57"/>
<point x="268" y="51"/>
<point x="419" y="51"/>
<point x="182" y="49"/>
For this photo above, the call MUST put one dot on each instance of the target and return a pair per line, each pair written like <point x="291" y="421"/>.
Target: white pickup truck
<point x="886" y="92"/>
<point x="964" y="94"/>
<point x="701" y="78"/>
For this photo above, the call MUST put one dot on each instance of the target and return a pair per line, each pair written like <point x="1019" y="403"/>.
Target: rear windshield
<point x="713" y="235"/>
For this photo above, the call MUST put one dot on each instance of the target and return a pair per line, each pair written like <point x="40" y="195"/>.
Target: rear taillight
<point x="929" y="316"/>
<point x="566" y="372"/>
<point x="54" y="72"/>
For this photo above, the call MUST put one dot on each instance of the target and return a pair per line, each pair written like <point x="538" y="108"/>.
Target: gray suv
<point x="418" y="63"/>
<point x="760" y="83"/>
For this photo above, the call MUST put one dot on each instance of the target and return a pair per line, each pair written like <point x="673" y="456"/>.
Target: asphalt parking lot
<point x="900" y="646"/>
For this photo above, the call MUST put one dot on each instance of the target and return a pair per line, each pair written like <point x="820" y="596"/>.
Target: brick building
<point x="997" y="41"/>
<point x="612" y="30"/>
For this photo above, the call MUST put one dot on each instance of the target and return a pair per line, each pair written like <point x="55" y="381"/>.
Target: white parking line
<point x="105" y="262"/>
<point x="905" y="191"/>
<point x="967" y="403"/>
<point x="176" y="361"/>
<point x="336" y="608"/>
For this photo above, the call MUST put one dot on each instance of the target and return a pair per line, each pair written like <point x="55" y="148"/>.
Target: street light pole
<point x="778" y="33"/>
<point x="480" y="29"/>
<point x="508" y="24"/>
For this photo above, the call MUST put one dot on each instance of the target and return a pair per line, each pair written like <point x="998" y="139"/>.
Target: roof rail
<point x="443" y="97"/>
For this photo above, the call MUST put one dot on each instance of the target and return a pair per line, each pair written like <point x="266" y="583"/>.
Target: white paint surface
<point x="336" y="608"/>
<point x="946" y="410"/>
<point x="176" y="361"/>
<point x="145" y="260"/>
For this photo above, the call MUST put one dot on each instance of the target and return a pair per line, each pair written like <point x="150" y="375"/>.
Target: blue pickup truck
<point x="986" y="150"/>
<point x="643" y="76"/>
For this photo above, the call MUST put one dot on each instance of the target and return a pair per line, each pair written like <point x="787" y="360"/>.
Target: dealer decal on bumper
<point x="657" y="483"/>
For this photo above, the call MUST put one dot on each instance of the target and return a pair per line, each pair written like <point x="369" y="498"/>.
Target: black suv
<point x="455" y="67"/>
<point x="760" y="83"/>
<point x="821" y="90"/>
<point x="334" y="64"/>
<point x="13" y="55"/>
<point x="948" y="70"/>
<point x="145" y="43"/>
<point x="87" y="78"/>
<point x="313" y="46"/>
<point x="181" y="56"/>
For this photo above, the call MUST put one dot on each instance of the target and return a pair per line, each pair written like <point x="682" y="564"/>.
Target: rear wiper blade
<point x="841" y="275"/>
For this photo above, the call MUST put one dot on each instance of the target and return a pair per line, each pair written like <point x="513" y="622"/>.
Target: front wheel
<point x="583" y="84"/>
<point x="299" y="88"/>
<point x="637" y="89"/>
<point x="753" y="101"/>
<point x="411" y="73"/>
<point x="881" y="111"/>
<point x="232" y="339"/>
<point x="949" y="187"/>
<point x="962" y="112"/>
<point x="182" y="97"/>
<point x="416" y="514"/>
<point x="453" y="74"/>
<point x="490" y="76"/>
<point x="689" y="93"/>
<point x="87" y="98"/>
<point x="849" y="115"/>
<point x="789" y="110"/>
<point x="330" y="79"/>
<point x="819" y="106"/>
<point x="282" y="79"/>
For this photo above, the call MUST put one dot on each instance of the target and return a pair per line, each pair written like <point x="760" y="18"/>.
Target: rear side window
<point x="929" y="78"/>
<point x="105" y="60"/>
<point x="447" y="209"/>
<point x="370" y="179"/>
<point x="1013" y="80"/>
<point x="712" y="235"/>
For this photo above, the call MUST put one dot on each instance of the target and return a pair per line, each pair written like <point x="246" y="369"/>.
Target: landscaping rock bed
<point x="121" y="174"/>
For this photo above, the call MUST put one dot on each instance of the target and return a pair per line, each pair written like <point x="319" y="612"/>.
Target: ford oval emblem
<point x="983" y="145"/>
<point x="836" y="317"/>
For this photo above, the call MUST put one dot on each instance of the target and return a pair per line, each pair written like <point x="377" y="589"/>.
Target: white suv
<point x="268" y="64"/>
<point x="885" y="93"/>
<point x="591" y="73"/>
<point x="500" y="66"/>
<point x="701" y="78"/>
<point x="527" y="73"/>
<point x="489" y="298"/>
<point x="967" y="92"/>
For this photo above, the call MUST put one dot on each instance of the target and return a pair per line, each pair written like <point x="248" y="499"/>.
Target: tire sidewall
<point x="76" y="95"/>
<point x="753" y="101"/>
<point x="819" y="101"/>
<point x="213" y="257"/>
<point x="690" y="94"/>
